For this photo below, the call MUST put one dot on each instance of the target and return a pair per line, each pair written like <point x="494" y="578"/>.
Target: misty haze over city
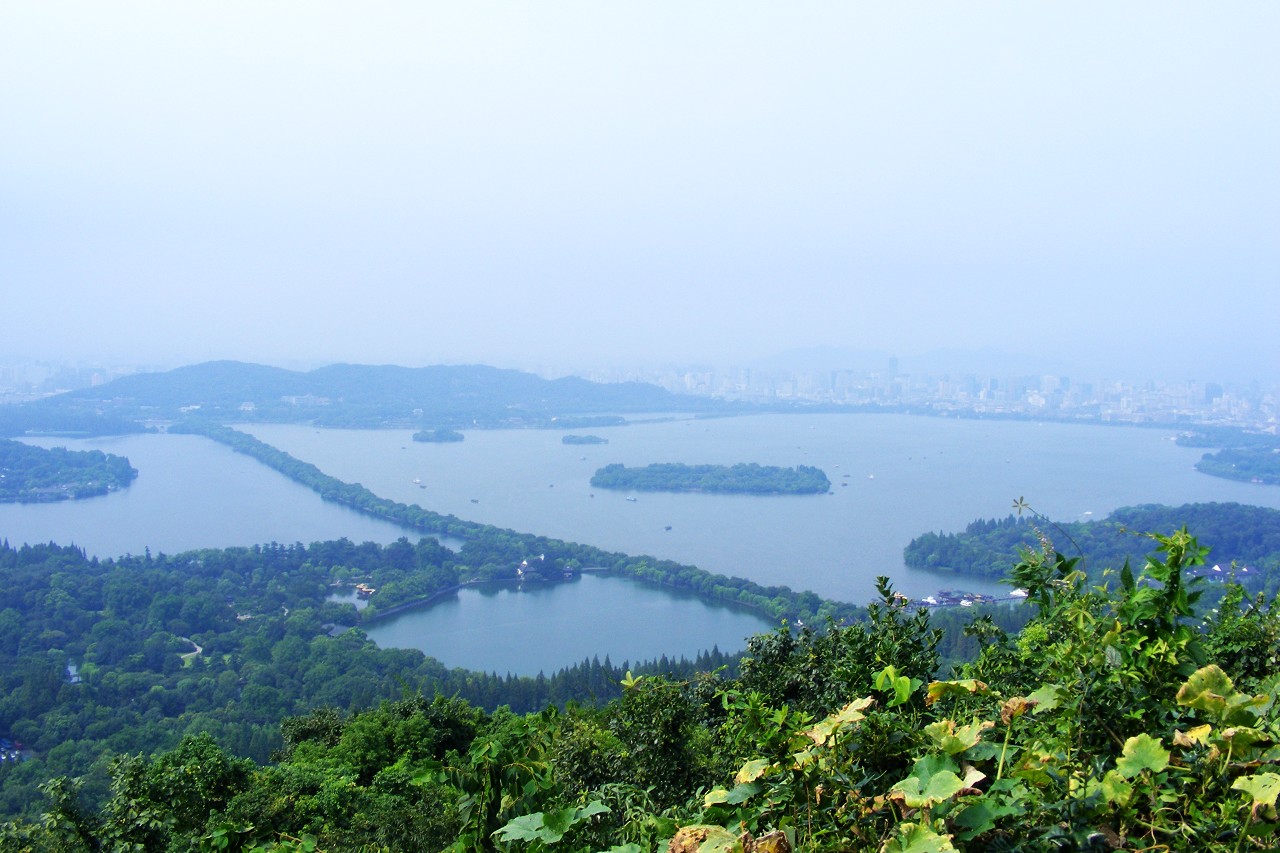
<point x="1083" y="189"/>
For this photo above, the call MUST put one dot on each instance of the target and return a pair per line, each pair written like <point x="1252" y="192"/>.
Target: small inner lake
<point x="527" y="628"/>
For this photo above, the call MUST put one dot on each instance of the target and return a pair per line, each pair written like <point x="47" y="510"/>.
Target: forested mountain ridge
<point x="344" y="395"/>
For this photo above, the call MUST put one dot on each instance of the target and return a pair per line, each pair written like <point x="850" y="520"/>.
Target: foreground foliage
<point x="1116" y="719"/>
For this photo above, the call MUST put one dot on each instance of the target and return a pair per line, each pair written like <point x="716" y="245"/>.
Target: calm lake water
<point x="190" y="493"/>
<point x="531" y="624"/>
<point x="894" y="477"/>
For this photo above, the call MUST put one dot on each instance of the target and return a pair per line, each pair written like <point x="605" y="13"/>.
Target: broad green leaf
<point x="1115" y="789"/>
<point x="805" y="757"/>
<point x="559" y="822"/>
<point x="953" y="740"/>
<point x="1263" y="787"/>
<point x="592" y="809"/>
<point x="1142" y="752"/>
<point x="918" y="838"/>
<point x="919" y="794"/>
<point x="1210" y="690"/>
<point x="1206" y="690"/>
<point x="529" y="827"/>
<point x="1243" y="736"/>
<point x="932" y="780"/>
<point x="964" y="687"/>
<point x="739" y="794"/>
<point x="715" y="797"/>
<point x="1047" y="698"/>
<point x="548" y="827"/>
<point x="752" y="770"/>
<point x="982" y="815"/>
<point x="851" y="713"/>
<point x="901" y="685"/>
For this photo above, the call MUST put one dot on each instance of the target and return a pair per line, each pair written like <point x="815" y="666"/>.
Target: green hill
<point x="343" y="395"/>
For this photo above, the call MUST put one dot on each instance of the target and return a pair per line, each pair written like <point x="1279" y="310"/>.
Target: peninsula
<point x="30" y="474"/>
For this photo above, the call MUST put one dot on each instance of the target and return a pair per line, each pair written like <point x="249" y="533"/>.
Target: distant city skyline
<point x="571" y="185"/>
<point x="1252" y="405"/>
<point x="817" y="360"/>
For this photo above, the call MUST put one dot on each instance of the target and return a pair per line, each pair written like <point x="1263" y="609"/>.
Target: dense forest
<point x="30" y="474"/>
<point x="226" y="642"/>
<point x="742" y="478"/>
<point x="1115" y="719"/>
<point x="1248" y="536"/>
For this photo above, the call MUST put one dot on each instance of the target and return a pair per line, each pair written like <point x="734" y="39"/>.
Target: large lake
<point x="894" y="476"/>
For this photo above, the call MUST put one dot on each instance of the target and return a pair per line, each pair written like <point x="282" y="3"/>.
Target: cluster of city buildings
<point x="1057" y="397"/>
<point x="22" y="380"/>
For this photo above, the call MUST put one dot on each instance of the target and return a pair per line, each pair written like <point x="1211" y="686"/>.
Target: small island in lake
<point x="743" y="478"/>
<point x="30" y="474"/>
<point x="438" y="435"/>
<point x="583" y="439"/>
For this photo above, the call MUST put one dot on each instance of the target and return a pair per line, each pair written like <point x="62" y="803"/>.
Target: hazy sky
<point x="588" y="184"/>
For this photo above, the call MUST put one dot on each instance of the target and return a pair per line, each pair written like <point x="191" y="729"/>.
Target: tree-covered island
<point x="30" y="474"/>
<point x="583" y="439"/>
<point x="742" y="478"/>
<point x="438" y="436"/>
